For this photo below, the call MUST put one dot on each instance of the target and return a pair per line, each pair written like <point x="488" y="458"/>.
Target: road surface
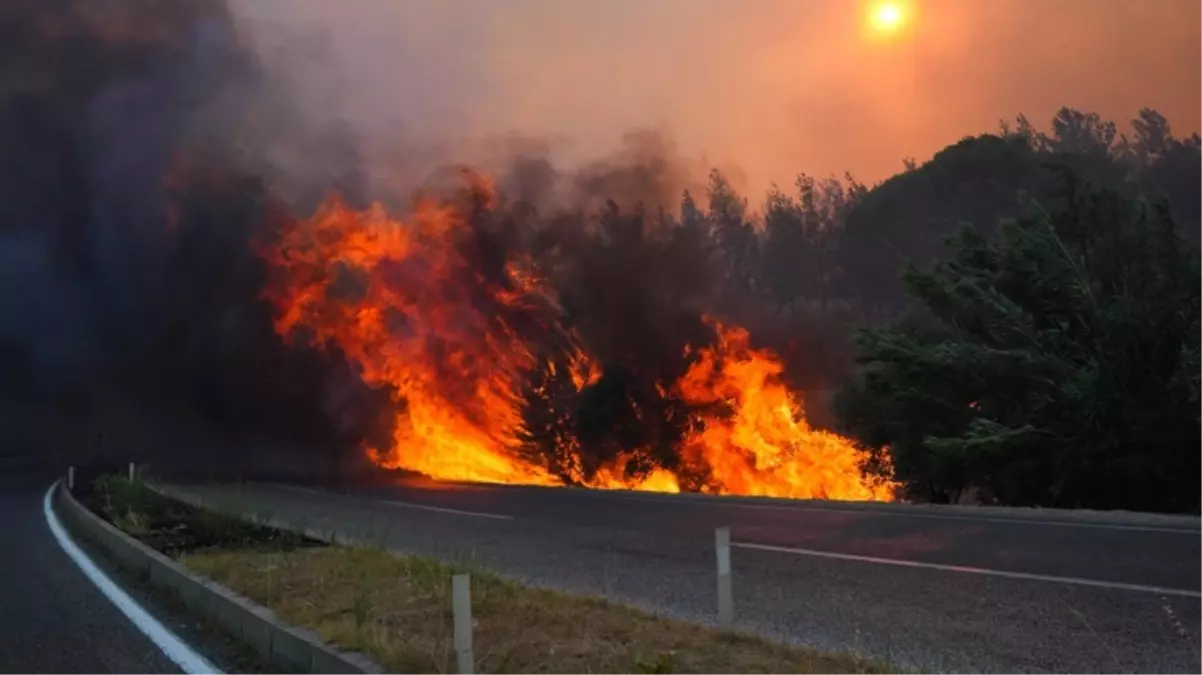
<point x="932" y="589"/>
<point x="53" y="617"/>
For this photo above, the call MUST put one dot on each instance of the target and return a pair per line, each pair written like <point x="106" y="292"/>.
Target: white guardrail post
<point x="461" y="607"/>
<point x="726" y="610"/>
<point x="131" y="472"/>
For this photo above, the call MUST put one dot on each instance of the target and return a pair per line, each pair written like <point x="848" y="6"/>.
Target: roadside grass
<point x="173" y="527"/>
<point x="397" y="608"/>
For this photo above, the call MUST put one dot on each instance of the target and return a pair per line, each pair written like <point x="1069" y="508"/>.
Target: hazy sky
<point x="772" y="86"/>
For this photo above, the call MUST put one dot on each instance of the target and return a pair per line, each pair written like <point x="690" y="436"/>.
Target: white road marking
<point x="409" y="505"/>
<point x="701" y="501"/>
<point x="990" y="519"/>
<point x="301" y="488"/>
<point x="715" y="502"/>
<point x="172" y="647"/>
<point x="423" y="507"/>
<point x="1181" y="592"/>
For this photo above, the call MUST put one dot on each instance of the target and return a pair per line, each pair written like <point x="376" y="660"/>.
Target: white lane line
<point x="408" y="505"/>
<point x="703" y="502"/>
<point x="987" y="519"/>
<point x="901" y="514"/>
<point x="1114" y="585"/>
<point x="301" y="488"/>
<point x="423" y="507"/>
<point x="172" y="647"/>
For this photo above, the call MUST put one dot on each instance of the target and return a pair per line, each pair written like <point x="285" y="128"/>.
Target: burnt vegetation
<point x="1028" y="298"/>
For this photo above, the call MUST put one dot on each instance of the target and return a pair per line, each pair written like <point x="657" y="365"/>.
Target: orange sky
<point x="772" y="86"/>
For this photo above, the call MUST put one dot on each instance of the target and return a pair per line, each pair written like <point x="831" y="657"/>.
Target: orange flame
<point x="396" y="299"/>
<point x="765" y="446"/>
<point x="384" y="292"/>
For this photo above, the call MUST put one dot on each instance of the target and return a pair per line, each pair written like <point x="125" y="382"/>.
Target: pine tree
<point x="1056" y="364"/>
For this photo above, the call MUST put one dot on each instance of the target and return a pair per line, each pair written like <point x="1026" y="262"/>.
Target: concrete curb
<point x="284" y="647"/>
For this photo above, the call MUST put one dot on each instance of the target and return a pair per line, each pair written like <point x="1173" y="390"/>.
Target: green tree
<point x="735" y="238"/>
<point x="1168" y="168"/>
<point x="786" y="251"/>
<point x="801" y="235"/>
<point x="1054" y="364"/>
<point x="910" y="216"/>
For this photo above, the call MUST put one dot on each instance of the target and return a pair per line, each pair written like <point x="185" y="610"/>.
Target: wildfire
<point x="392" y="297"/>
<point x="765" y="446"/>
<point x="412" y="307"/>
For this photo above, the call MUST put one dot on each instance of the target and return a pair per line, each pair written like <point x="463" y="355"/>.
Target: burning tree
<point x="517" y="367"/>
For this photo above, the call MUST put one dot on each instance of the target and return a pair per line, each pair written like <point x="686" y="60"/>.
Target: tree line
<point x="1027" y="304"/>
<point x="1052" y="354"/>
<point x="835" y="244"/>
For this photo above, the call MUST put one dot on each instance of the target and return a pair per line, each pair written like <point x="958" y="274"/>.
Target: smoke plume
<point x="179" y="283"/>
<point x="139" y="139"/>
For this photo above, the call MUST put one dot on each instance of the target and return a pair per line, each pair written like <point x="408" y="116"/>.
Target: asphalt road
<point x="55" y="621"/>
<point x="926" y="588"/>
<point x="52" y="619"/>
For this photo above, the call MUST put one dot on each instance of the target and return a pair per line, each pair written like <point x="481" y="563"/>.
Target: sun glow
<point x="887" y="17"/>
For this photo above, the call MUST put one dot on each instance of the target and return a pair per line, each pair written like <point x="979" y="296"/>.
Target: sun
<point x="887" y="17"/>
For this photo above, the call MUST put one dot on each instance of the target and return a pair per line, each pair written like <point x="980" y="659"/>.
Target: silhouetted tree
<point x="1057" y="364"/>
<point x="1168" y="168"/>
<point x="736" y="240"/>
<point x="908" y="217"/>
<point x="801" y="236"/>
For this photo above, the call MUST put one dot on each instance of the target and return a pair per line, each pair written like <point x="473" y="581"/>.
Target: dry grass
<point x="398" y="610"/>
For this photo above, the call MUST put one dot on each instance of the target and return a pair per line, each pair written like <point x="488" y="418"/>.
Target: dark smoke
<point x="146" y="148"/>
<point x="137" y="144"/>
<point x="635" y="270"/>
<point x="634" y="287"/>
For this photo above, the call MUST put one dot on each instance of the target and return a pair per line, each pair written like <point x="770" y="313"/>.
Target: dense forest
<point x="837" y="245"/>
<point x="1026" y="304"/>
<point x="1031" y="304"/>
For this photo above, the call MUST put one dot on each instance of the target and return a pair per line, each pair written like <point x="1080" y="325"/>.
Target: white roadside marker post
<point x="726" y="610"/>
<point x="461" y="607"/>
<point x="71" y="478"/>
<point x="131" y="472"/>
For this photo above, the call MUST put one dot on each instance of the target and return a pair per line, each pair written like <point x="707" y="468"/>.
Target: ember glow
<point x="468" y="349"/>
